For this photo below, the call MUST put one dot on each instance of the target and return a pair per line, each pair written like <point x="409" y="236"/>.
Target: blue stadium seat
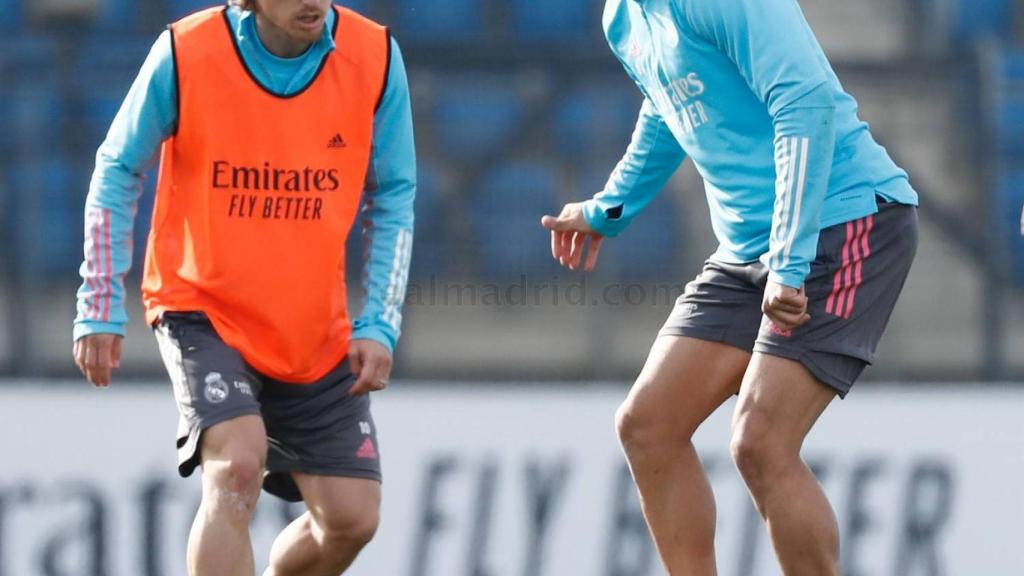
<point x="650" y="247"/>
<point x="594" y="122"/>
<point x="177" y="9"/>
<point x="977" y="19"/>
<point x="119" y="15"/>
<point x="648" y="250"/>
<point x="7" y="223"/>
<point x="48" y="230"/>
<point x="474" y="117"/>
<point x="1008" y="104"/>
<point x="102" y="78"/>
<point x="562" y="21"/>
<point x="1010" y="127"/>
<point x="439" y="21"/>
<point x="10" y="15"/>
<point x="1006" y="206"/>
<point x="31" y="114"/>
<point x="432" y="254"/>
<point x="506" y="212"/>
<point x="114" y="61"/>
<point x="361" y="6"/>
<point x="1012" y="66"/>
<point x="27" y="57"/>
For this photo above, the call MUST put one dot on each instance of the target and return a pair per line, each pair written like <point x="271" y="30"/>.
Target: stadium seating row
<point x="1007" y="126"/>
<point x="430" y="21"/>
<point x="966" y="21"/>
<point x="464" y="21"/>
<point x="468" y="122"/>
<point x="491" y="233"/>
<point x="447" y="21"/>
<point x="58" y="114"/>
<point x="478" y="118"/>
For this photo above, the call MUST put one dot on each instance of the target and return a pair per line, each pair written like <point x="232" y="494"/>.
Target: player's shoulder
<point x="619" y="18"/>
<point x="614" y="12"/>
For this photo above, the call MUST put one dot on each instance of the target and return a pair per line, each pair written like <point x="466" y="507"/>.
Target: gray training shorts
<point x="316" y="429"/>
<point x="858" y="274"/>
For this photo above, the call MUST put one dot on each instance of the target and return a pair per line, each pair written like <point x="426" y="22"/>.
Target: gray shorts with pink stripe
<point x="852" y="289"/>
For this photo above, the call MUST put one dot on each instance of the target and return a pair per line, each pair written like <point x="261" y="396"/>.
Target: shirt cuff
<point x="376" y="334"/>
<point x="605" y="221"/>
<point x="86" y="328"/>
<point x="791" y="279"/>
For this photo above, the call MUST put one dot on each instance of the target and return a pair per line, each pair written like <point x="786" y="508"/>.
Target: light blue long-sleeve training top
<point x="744" y="89"/>
<point x="148" y="116"/>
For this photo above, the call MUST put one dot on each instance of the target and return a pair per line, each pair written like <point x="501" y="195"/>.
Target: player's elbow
<point x="812" y="116"/>
<point x="822" y="97"/>
<point x="819" y="103"/>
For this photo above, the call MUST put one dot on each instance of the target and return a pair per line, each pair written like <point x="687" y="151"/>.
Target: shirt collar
<point x="246" y="32"/>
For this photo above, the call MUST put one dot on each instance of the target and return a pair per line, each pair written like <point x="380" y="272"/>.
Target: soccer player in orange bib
<point x="278" y="122"/>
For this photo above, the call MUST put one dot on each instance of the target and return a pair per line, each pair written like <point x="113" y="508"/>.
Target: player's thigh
<point x="233" y="454"/>
<point x="342" y="506"/>
<point x="683" y="381"/>
<point x="216" y="394"/>
<point x="242" y="437"/>
<point x="779" y="402"/>
<point x="318" y="429"/>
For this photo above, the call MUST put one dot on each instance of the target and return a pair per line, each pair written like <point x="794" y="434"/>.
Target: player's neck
<point x="277" y="41"/>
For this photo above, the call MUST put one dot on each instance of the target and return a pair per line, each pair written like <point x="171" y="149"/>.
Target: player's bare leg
<point x="779" y="403"/>
<point x="233" y="456"/>
<point x="342" y="519"/>
<point x="682" y="383"/>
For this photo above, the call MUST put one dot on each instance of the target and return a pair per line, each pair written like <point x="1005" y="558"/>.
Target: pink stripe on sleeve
<point x="109" y="268"/>
<point x="95" y="269"/>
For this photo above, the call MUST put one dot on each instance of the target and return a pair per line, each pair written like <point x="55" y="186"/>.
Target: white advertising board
<point x="521" y="481"/>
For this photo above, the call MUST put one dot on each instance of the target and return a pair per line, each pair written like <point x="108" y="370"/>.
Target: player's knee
<point x="235" y="481"/>
<point x="628" y="424"/>
<point x="350" y="529"/>
<point x="641" y="425"/>
<point x="755" y="451"/>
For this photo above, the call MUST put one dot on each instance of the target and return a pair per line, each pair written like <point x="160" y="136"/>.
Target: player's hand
<point x="785" y="306"/>
<point x="97" y="355"/>
<point x="570" y="233"/>
<point x="370" y="361"/>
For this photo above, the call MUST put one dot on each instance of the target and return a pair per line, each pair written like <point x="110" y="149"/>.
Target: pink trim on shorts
<point x="849" y="277"/>
<point x="865" y="252"/>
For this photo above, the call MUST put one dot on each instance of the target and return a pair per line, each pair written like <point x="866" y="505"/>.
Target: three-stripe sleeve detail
<point x="397" y="279"/>
<point x="99" y="266"/>
<point x="791" y="158"/>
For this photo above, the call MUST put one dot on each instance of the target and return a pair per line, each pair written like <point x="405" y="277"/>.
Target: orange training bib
<point x="257" y="194"/>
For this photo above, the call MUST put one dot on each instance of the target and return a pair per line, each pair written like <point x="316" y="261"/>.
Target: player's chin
<point x="305" y="35"/>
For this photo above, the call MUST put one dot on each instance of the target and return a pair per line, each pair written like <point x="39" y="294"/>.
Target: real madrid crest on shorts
<point x="216" y="390"/>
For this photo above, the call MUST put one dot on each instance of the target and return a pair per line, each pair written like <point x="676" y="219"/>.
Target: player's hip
<point x="852" y="289"/>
